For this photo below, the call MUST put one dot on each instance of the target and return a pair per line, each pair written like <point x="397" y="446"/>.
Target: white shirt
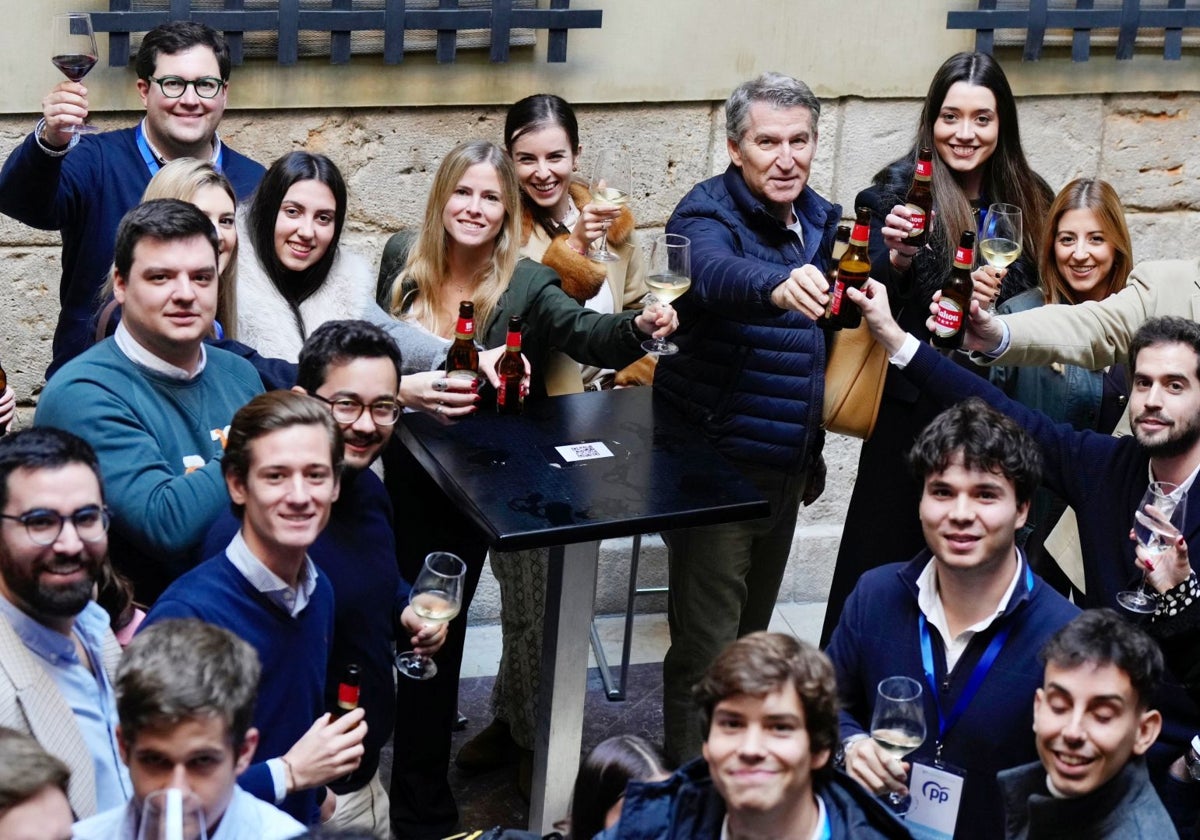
<point x="821" y="830"/>
<point x="929" y="601"/>
<point x="139" y="355"/>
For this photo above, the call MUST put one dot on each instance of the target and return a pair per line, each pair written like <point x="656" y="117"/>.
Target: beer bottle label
<point x="963" y="257"/>
<point x="513" y="342"/>
<point x="347" y="697"/>
<point x="924" y="168"/>
<point x="918" y="220"/>
<point x="860" y="234"/>
<point x="949" y="318"/>
<point x="835" y="297"/>
<point x="466" y="328"/>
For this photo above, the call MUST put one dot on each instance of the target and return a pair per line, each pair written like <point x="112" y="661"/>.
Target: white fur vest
<point x="265" y="320"/>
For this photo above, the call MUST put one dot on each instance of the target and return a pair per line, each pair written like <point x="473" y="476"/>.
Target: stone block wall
<point x="1140" y="143"/>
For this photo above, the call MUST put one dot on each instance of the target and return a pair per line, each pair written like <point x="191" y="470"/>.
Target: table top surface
<point x="581" y="467"/>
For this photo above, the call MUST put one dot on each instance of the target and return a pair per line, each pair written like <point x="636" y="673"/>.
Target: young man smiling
<point x="770" y="707"/>
<point x="185" y="696"/>
<point x="281" y="465"/>
<point x="153" y="400"/>
<point x="1093" y="722"/>
<point x="965" y="619"/>
<point x="82" y="185"/>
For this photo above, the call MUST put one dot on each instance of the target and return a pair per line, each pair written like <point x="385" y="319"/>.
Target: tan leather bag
<point x="854" y="383"/>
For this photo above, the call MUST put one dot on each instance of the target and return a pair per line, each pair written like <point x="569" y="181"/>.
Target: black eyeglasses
<point x="347" y="411"/>
<point x="173" y="87"/>
<point x="45" y="526"/>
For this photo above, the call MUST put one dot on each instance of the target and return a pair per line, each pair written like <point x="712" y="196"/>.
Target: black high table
<point x="566" y="474"/>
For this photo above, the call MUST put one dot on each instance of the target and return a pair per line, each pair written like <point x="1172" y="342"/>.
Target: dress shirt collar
<point x="929" y="601"/>
<point x="139" y="355"/>
<point x="272" y="586"/>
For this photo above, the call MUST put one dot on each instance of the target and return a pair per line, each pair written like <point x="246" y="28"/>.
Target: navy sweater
<point x="357" y="553"/>
<point x="84" y="194"/>
<point x="293" y="652"/>
<point x="878" y="637"/>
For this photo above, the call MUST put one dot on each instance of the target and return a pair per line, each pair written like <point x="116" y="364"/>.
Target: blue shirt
<point x="88" y="693"/>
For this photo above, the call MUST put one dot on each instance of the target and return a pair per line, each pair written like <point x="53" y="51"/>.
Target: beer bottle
<point x="853" y="270"/>
<point x="3" y="385"/>
<point x="920" y="198"/>
<point x="347" y="694"/>
<point x="840" y="243"/>
<point x="955" y="304"/>
<point x="511" y="370"/>
<point x="463" y="358"/>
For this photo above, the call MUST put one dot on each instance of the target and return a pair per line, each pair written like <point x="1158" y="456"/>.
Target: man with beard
<point x="1103" y="478"/>
<point x="57" y="652"/>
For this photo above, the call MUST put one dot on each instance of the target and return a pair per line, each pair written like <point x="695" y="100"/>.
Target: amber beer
<point x="955" y="304"/>
<point x="919" y="200"/>
<point x="511" y="371"/>
<point x="853" y="270"/>
<point x="841" y="241"/>
<point x="463" y="358"/>
<point x="347" y="693"/>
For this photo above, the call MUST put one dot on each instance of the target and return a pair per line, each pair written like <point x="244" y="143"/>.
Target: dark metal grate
<point x="1122" y="24"/>
<point x="289" y="29"/>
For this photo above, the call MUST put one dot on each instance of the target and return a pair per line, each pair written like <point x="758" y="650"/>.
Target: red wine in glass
<point x="73" y="50"/>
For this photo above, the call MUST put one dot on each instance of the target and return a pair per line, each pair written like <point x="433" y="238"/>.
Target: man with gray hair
<point x="750" y="371"/>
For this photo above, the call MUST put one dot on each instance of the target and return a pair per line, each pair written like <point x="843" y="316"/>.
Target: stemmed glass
<point x="1168" y="501"/>
<point x="1000" y="241"/>
<point x="73" y="51"/>
<point x="611" y="184"/>
<point x="172" y="814"/>
<point x="898" y="725"/>
<point x="670" y="276"/>
<point x="436" y="597"/>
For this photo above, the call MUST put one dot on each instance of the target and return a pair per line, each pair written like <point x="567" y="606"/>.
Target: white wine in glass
<point x="898" y="725"/>
<point x="670" y="276"/>
<point x="610" y="186"/>
<point x="73" y="51"/>
<point x="436" y="597"/>
<point x="1171" y="502"/>
<point x="1000" y="241"/>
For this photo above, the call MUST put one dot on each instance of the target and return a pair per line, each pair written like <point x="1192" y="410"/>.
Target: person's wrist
<point x="289" y="774"/>
<point x="52" y="149"/>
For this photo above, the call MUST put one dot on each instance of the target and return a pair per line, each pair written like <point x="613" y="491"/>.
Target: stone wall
<point x="1140" y="143"/>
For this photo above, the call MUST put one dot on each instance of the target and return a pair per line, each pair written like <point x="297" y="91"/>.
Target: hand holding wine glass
<point x="73" y="51"/>
<point x="436" y="597"/>
<point x="898" y="726"/>
<point x="611" y="184"/>
<point x="1157" y="523"/>
<point x="670" y="276"/>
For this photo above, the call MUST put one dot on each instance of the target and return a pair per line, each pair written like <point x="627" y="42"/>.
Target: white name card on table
<point x="583" y="451"/>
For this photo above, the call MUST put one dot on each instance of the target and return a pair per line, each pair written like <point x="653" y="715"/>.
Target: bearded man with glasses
<point x="83" y="185"/>
<point x="57" y="652"/>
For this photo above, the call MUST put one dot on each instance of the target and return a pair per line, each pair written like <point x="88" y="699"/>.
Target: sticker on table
<point x="588" y="450"/>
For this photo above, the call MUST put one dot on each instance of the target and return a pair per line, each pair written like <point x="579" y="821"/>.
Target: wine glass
<point x="172" y="814"/>
<point x="436" y="597"/>
<point x="1171" y="502"/>
<point x="1000" y="240"/>
<point x="73" y="51"/>
<point x="898" y="725"/>
<point x="670" y="276"/>
<point x="611" y="184"/>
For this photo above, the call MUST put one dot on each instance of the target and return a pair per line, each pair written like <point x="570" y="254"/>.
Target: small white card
<point x="584" y="451"/>
<point x="936" y="795"/>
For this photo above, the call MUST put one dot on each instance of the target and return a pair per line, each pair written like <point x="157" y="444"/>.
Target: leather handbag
<point x="854" y="383"/>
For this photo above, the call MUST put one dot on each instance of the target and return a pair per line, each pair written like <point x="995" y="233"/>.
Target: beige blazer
<point x="31" y="703"/>
<point x="1096" y="334"/>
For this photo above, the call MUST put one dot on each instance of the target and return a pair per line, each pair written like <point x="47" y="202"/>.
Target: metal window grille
<point x="1082" y="24"/>
<point x="288" y="29"/>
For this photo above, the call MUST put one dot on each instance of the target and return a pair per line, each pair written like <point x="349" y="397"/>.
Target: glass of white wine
<point x="1171" y="503"/>
<point x="611" y="184"/>
<point x="670" y="276"/>
<point x="898" y="725"/>
<point x="436" y="597"/>
<point x="1000" y="240"/>
<point x="172" y="814"/>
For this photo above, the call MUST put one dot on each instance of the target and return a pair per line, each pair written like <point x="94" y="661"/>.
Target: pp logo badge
<point x="934" y="792"/>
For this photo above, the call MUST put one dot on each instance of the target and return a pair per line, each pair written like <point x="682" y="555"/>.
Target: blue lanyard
<point x="946" y="723"/>
<point x="151" y="161"/>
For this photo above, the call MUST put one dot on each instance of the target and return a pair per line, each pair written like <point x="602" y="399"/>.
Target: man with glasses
<point x="354" y="368"/>
<point x="81" y="185"/>
<point x="57" y="653"/>
<point x="153" y="401"/>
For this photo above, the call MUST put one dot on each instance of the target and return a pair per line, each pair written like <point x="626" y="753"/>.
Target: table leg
<point x="570" y="592"/>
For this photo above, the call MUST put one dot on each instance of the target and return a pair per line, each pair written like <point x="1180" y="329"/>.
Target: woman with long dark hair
<point x="969" y="120"/>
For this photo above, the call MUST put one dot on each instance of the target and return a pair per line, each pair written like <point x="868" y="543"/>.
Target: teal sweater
<point x="159" y="441"/>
